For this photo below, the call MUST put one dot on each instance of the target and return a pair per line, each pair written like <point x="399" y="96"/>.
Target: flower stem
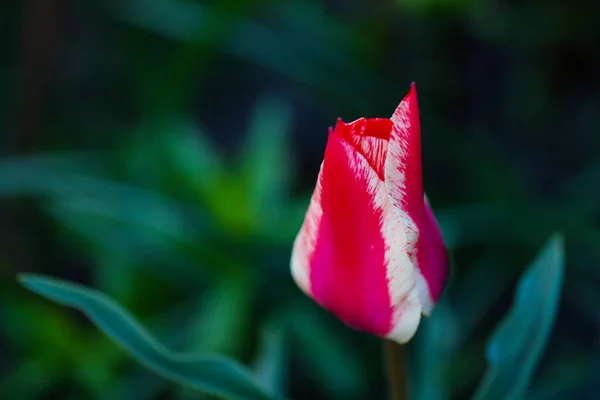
<point x="395" y="365"/>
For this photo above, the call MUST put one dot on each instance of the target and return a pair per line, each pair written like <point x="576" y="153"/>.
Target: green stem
<point x="395" y="365"/>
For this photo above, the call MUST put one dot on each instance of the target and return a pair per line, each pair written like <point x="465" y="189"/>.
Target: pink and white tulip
<point x="370" y="249"/>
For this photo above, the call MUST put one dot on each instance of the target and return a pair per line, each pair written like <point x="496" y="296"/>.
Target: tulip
<point x="370" y="250"/>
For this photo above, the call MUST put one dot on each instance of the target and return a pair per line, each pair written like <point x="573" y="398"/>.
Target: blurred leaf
<point x="58" y="329"/>
<point x="266" y="158"/>
<point x="514" y="350"/>
<point x="96" y="369"/>
<point x="336" y="55"/>
<point x="194" y="158"/>
<point x="266" y="165"/>
<point x="76" y="179"/>
<point x="139" y="384"/>
<point x="429" y="353"/>
<point x="475" y="293"/>
<point x="260" y="45"/>
<point x="223" y="315"/>
<point x="137" y="231"/>
<point x="331" y="361"/>
<point x="320" y="58"/>
<point x="126" y="203"/>
<point x="42" y="174"/>
<point x="134" y="223"/>
<point x="43" y="371"/>
<point x="270" y="364"/>
<point x="211" y="374"/>
<point x="176" y="19"/>
<point x="190" y="163"/>
<point x="55" y="344"/>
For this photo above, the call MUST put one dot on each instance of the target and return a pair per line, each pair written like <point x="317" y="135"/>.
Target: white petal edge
<point x="306" y="240"/>
<point x="425" y="299"/>
<point x="401" y="273"/>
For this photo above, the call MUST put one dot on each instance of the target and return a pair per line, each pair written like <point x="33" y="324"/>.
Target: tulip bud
<point x="370" y="249"/>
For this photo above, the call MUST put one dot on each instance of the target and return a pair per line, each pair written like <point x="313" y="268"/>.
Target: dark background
<point x="164" y="152"/>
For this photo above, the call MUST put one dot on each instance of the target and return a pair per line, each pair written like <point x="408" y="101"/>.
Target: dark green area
<point x="164" y="151"/>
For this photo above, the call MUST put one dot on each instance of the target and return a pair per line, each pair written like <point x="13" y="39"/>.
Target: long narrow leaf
<point x="211" y="374"/>
<point x="515" y="348"/>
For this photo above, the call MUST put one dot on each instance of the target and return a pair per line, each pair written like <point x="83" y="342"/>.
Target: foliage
<point x="163" y="152"/>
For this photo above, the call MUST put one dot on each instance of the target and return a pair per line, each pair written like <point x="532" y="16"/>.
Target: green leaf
<point x="173" y="19"/>
<point x="270" y="363"/>
<point x="211" y="374"/>
<point x="516" y="346"/>
<point x="266" y="161"/>
<point x="429" y="352"/>
<point x="43" y="175"/>
<point x="222" y="316"/>
<point x="190" y="152"/>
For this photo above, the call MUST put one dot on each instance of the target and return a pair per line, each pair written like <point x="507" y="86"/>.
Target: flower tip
<point x="410" y="100"/>
<point x="339" y="124"/>
<point x="413" y="89"/>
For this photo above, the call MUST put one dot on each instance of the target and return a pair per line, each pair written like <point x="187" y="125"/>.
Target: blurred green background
<point x="164" y="151"/>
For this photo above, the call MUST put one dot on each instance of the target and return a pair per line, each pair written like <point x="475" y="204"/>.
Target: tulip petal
<point x="350" y="253"/>
<point x="403" y="173"/>
<point x="404" y="181"/>
<point x="366" y="135"/>
<point x="432" y="261"/>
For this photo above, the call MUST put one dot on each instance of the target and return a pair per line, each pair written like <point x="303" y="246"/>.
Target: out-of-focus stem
<point x="395" y="366"/>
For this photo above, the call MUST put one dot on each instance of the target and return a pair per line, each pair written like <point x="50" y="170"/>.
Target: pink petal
<point x="403" y="177"/>
<point x="432" y="260"/>
<point x="349" y="255"/>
